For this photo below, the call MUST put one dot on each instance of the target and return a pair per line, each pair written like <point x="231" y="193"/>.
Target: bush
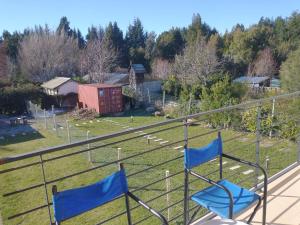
<point x="13" y="97"/>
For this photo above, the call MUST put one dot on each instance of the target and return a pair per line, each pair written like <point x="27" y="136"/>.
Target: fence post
<point x="54" y="123"/>
<point x="45" y="119"/>
<point x="68" y="131"/>
<point x="272" y="116"/>
<point x="257" y="146"/>
<point x="186" y="180"/>
<point x="164" y="99"/>
<point x="168" y="184"/>
<point x="52" y="107"/>
<point x="119" y="153"/>
<point x="149" y="97"/>
<point x="36" y="111"/>
<point x="88" y="145"/>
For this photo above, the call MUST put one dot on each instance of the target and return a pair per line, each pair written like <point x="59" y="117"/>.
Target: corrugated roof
<point x="251" y="80"/>
<point x="138" y="68"/>
<point x="115" y="78"/>
<point x="56" y="82"/>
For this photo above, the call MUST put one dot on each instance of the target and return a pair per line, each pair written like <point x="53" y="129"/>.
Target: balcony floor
<point x="283" y="201"/>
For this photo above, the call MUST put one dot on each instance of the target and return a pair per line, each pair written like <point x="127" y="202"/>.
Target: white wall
<point x="68" y="87"/>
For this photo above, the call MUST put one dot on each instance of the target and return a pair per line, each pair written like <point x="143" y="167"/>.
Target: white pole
<point x="54" y="123"/>
<point x="164" y="98"/>
<point x="149" y="97"/>
<point x="168" y="189"/>
<point x="68" y="131"/>
<point x="45" y="119"/>
<point x="88" y="145"/>
<point x="119" y="153"/>
<point x="272" y="116"/>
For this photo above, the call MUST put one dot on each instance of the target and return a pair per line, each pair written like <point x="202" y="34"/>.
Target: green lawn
<point x="282" y="153"/>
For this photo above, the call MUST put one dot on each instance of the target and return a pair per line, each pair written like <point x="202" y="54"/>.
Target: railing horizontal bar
<point x="117" y="134"/>
<point x="28" y="211"/>
<point x="90" y="169"/>
<point x="23" y="190"/>
<point x="201" y="135"/>
<point x="19" y="167"/>
<point x="157" y="165"/>
<point x="162" y="210"/>
<point x="234" y="138"/>
<point x="157" y="181"/>
<point x="240" y="146"/>
<point x="106" y="145"/>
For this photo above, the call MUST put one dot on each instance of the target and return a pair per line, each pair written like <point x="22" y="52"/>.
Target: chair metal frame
<point x="126" y="195"/>
<point x="188" y="172"/>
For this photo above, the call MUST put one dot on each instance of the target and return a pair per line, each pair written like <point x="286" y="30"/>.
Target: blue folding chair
<point x="223" y="198"/>
<point x="70" y="203"/>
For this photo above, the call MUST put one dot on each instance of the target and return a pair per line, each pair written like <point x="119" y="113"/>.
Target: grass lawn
<point x="281" y="154"/>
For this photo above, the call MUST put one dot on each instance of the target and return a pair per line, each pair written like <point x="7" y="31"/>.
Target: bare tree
<point x="99" y="58"/>
<point x="197" y="63"/>
<point x="45" y="54"/>
<point x="264" y="65"/>
<point x="161" y="68"/>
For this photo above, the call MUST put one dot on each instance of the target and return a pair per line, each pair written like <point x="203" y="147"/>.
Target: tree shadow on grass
<point x="18" y="134"/>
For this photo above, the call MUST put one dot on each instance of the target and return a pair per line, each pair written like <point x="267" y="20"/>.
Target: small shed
<point x="63" y="89"/>
<point x="136" y="76"/>
<point x="254" y="82"/>
<point x="103" y="98"/>
<point x="60" y="86"/>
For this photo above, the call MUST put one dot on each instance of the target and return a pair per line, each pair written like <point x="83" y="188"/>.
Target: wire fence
<point x="153" y="159"/>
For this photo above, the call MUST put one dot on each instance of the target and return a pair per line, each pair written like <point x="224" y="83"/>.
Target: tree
<point x="265" y="64"/>
<point x="219" y="95"/>
<point x="3" y="61"/>
<point x="95" y="33"/>
<point x="150" y="46"/>
<point x="290" y="72"/>
<point x="64" y="27"/>
<point x="44" y="54"/>
<point x="98" y="59"/>
<point x="169" y="43"/>
<point x="197" y="64"/>
<point x="114" y="37"/>
<point x="135" y="42"/>
<point x="161" y="68"/>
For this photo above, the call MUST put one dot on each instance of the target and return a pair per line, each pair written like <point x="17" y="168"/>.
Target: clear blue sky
<point x="156" y="15"/>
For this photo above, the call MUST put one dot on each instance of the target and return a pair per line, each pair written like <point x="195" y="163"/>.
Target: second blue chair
<point x="70" y="203"/>
<point x="223" y="198"/>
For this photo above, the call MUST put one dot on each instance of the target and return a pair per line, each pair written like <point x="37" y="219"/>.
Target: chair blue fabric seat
<point x="216" y="199"/>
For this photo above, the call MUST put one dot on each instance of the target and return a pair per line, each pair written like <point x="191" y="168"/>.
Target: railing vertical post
<point x="88" y="145"/>
<point x="298" y="159"/>
<point x="257" y="146"/>
<point x="167" y="190"/>
<point x="186" y="180"/>
<point x="68" y="131"/>
<point x="45" y="187"/>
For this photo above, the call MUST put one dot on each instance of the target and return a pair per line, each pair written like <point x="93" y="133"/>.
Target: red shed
<point x="104" y="98"/>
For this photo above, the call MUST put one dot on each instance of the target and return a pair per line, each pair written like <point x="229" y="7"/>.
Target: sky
<point x="156" y="15"/>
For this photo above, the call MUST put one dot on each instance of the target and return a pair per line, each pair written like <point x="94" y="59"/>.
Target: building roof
<point x="101" y="85"/>
<point x="115" y="78"/>
<point x="56" y="82"/>
<point x="251" y="80"/>
<point x="138" y="68"/>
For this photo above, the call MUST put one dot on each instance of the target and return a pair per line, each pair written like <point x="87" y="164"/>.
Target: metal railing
<point x="147" y="153"/>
